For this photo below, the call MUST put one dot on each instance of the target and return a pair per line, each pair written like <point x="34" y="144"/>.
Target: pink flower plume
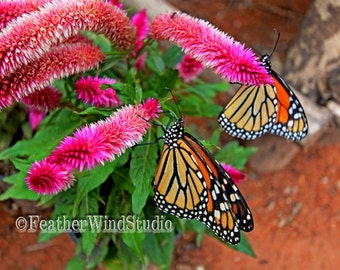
<point x="214" y="48"/>
<point x="48" y="178"/>
<point x="10" y="10"/>
<point x="90" y="146"/>
<point x="33" y="34"/>
<point x="189" y="68"/>
<point x="45" y="99"/>
<point x="140" y="21"/>
<point x="89" y="90"/>
<point x="101" y="141"/>
<point x="234" y="174"/>
<point x="62" y="61"/>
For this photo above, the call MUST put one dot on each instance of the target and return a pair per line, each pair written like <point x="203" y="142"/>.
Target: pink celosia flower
<point x="101" y="141"/>
<point x="35" y="116"/>
<point x="10" y="10"/>
<point x="189" y="68"/>
<point x="90" y="146"/>
<point x="89" y="90"/>
<point x="234" y="174"/>
<point x="214" y="48"/>
<point x="33" y="34"/>
<point x="45" y="99"/>
<point x="64" y="60"/>
<point x="140" y="21"/>
<point x="48" y="178"/>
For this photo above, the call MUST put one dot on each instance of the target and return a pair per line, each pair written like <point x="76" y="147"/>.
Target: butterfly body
<point x="256" y="110"/>
<point x="191" y="183"/>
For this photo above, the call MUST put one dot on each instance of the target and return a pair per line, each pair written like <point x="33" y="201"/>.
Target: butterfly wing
<point x="178" y="184"/>
<point x="291" y="121"/>
<point x="190" y="183"/>
<point x="226" y="212"/>
<point x="250" y="113"/>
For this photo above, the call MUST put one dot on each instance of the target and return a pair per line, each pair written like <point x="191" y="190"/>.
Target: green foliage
<point x="142" y="169"/>
<point x="234" y="154"/>
<point x="51" y="131"/>
<point x="122" y="187"/>
<point x="159" y="247"/>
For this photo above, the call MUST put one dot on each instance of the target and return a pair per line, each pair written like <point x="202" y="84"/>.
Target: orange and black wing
<point x="256" y="110"/>
<point x="179" y="187"/>
<point x="190" y="183"/>
<point x="227" y="211"/>
<point x="250" y="113"/>
<point x="291" y="121"/>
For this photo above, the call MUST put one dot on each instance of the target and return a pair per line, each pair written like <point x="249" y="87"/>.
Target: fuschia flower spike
<point x="215" y="49"/>
<point x="32" y="35"/>
<point x="48" y="178"/>
<point x="92" y="145"/>
<point x="189" y="68"/>
<point x="64" y="60"/>
<point x="45" y="99"/>
<point x="89" y="90"/>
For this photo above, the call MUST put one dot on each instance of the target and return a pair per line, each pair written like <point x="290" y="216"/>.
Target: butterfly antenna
<point x="179" y="111"/>
<point x="276" y="41"/>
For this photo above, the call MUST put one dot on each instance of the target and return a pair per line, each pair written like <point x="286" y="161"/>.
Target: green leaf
<point x="21" y="164"/>
<point x="198" y="99"/>
<point x="51" y="131"/>
<point x="122" y="180"/>
<point x="89" y="205"/>
<point x="99" y="253"/>
<point x="127" y="91"/>
<point x="234" y="154"/>
<point x="99" y="39"/>
<point x="207" y="90"/>
<point x="131" y="76"/>
<point x="140" y="196"/>
<point x="135" y="241"/>
<point x="215" y="137"/>
<point x="62" y="212"/>
<point x="167" y="80"/>
<point x="194" y="105"/>
<point x="96" y="111"/>
<point x="155" y="62"/>
<point x="88" y="240"/>
<point x="138" y="93"/>
<point x="244" y="246"/>
<point x="19" y="189"/>
<point x="173" y="56"/>
<point x="91" y="180"/>
<point x="159" y="248"/>
<point x="76" y="263"/>
<point x="142" y="169"/>
<point x="10" y="179"/>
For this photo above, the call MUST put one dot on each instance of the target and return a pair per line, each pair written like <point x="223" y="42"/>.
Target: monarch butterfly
<point x="190" y="183"/>
<point x="256" y="110"/>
